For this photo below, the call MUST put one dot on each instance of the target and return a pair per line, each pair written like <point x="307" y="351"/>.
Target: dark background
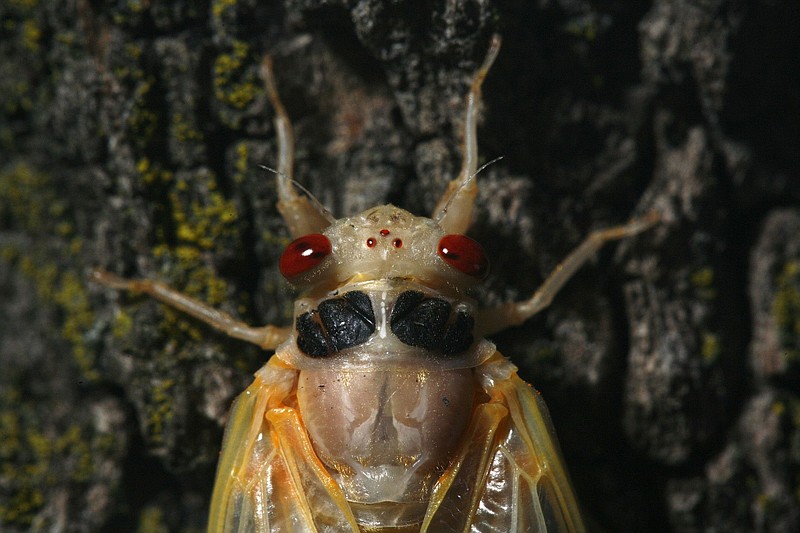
<point x="130" y="138"/>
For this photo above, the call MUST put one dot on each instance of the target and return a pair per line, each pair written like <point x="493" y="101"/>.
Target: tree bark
<point x="131" y="135"/>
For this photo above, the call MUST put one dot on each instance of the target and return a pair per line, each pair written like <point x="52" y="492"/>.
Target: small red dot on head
<point x="370" y="242"/>
<point x="397" y="243"/>
<point x="385" y="232"/>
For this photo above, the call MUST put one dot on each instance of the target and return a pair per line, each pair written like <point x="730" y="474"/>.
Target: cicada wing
<point x="268" y="477"/>
<point x="508" y="475"/>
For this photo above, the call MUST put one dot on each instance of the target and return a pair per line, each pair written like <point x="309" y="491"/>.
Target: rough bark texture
<point x="130" y="138"/>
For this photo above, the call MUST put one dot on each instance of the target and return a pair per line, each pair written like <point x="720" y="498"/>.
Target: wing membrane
<point x="508" y="475"/>
<point x="268" y="477"/>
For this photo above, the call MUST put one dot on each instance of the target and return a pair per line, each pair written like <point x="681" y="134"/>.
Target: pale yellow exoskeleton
<point x="384" y="407"/>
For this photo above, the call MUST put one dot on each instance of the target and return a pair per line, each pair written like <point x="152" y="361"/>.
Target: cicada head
<point x="384" y="243"/>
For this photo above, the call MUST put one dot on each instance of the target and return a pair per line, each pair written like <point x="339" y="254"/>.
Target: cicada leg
<point x="303" y="214"/>
<point x="512" y="314"/>
<point x="454" y="210"/>
<point x="267" y="337"/>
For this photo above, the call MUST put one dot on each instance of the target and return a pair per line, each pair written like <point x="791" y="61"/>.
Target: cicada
<point x="384" y="407"/>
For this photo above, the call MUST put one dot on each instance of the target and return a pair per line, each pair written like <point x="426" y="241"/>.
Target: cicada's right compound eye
<point x="464" y="254"/>
<point x="303" y="254"/>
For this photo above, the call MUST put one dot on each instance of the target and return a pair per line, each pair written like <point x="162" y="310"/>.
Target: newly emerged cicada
<point x="384" y="407"/>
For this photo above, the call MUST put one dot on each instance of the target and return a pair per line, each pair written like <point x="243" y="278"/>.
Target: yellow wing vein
<point x="268" y="476"/>
<point x="508" y="474"/>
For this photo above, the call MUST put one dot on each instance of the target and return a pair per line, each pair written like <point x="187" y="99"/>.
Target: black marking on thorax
<point x="416" y="320"/>
<point x="336" y="324"/>
<point x="429" y="323"/>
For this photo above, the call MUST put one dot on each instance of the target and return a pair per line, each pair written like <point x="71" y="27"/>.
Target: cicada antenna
<point x="302" y="214"/>
<point x="321" y="209"/>
<point x="461" y="192"/>
<point x="466" y="183"/>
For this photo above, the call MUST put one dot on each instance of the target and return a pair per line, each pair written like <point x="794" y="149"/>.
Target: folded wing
<point x="508" y="475"/>
<point x="268" y="477"/>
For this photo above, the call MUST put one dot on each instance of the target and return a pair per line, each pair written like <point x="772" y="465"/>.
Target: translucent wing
<point x="508" y="476"/>
<point x="268" y="477"/>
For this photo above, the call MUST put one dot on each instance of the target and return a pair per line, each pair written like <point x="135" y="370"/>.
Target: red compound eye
<point x="303" y="254"/>
<point x="464" y="254"/>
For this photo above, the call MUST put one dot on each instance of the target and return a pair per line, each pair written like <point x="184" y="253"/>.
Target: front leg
<point x="267" y="337"/>
<point x="515" y="313"/>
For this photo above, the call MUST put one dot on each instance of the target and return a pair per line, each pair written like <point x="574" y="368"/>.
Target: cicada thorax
<point x="385" y="343"/>
<point x="386" y="389"/>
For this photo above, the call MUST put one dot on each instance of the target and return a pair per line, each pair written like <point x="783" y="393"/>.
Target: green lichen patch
<point x="72" y="298"/>
<point x="21" y="46"/>
<point x="702" y="281"/>
<point x="35" y="461"/>
<point x="786" y="311"/>
<point x="131" y="66"/>
<point x="151" y="520"/>
<point x="163" y="15"/>
<point x="67" y="291"/>
<point x="152" y="173"/>
<point x="122" y="326"/>
<point x="711" y="348"/>
<point x="202" y="225"/>
<point x="241" y="163"/>
<point x="546" y="353"/>
<point x="236" y="82"/>
<point x="220" y="7"/>
<point x="28" y="200"/>
<point x="29" y="204"/>
<point x="584" y="28"/>
<point x="143" y="120"/>
<point x="184" y="130"/>
<point x="159" y="411"/>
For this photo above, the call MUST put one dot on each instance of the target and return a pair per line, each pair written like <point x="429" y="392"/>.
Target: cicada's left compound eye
<point x="303" y="254"/>
<point x="464" y="254"/>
